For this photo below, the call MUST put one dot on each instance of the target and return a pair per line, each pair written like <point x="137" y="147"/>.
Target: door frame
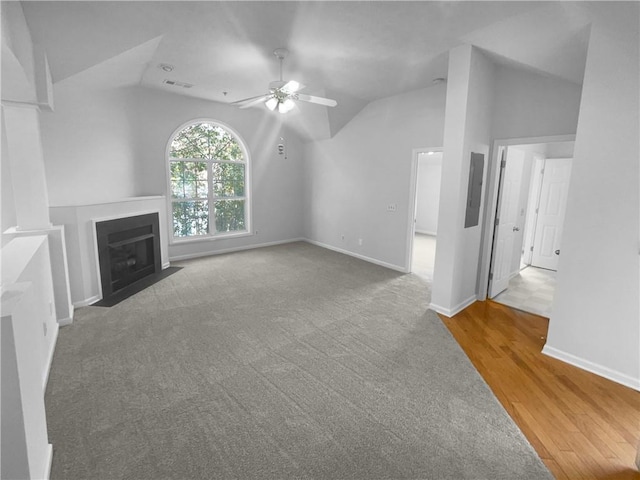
<point x="491" y="198"/>
<point x="532" y="207"/>
<point x="501" y="153"/>
<point x="413" y="199"/>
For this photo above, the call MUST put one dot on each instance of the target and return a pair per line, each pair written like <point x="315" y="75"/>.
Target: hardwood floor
<point x="583" y="426"/>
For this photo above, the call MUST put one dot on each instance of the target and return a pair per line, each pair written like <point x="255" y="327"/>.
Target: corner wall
<point x="355" y="176"/>
<point x="470" y="97"/>
<point x="596" y="316"/>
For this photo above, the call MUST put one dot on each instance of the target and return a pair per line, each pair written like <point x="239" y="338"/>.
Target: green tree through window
<point x="208" y="169"/>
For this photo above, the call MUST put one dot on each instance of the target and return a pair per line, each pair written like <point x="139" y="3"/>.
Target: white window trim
<point x="173" y="240"/>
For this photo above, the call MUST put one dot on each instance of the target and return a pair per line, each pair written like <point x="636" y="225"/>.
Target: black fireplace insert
<point x="128" y="251"/>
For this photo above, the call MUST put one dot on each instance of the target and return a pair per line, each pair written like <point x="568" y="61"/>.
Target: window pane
<point x="229" y="215"/>
<point x="228" y="180"/>
<point x="188" y="180"/>
<point x="190" y="218"/>
<point x="228" y="148"/>
<point x="204" y="140"/>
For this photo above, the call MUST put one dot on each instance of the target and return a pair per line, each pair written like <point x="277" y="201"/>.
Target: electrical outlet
<point x="391" y="207"/>
<point x="360" y="241"/>
<point x="342" y="237"/>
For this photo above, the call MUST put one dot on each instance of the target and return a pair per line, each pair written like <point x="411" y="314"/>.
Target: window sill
<point x="208" y="238"/>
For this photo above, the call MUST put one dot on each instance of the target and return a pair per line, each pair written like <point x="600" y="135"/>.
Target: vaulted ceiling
<point x="354" y="52"/>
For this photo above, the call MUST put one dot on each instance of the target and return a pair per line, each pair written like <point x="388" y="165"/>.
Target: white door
<point x="506" y="230"/>
<point x="551" y="211"/>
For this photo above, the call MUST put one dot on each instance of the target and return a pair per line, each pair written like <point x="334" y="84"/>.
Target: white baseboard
<point x="69" y="320"/>
<point x="65" y="321"/>
<point x="592" y="367"/>
<point x="450" y="312"/>
<point x="45" y="380"/>
<point x="87" y="301"/>
<point x="49" y="462"/>
<point x="233" y="249"/>
<point x="166" y="265"/>
<point x="357" y="255"/>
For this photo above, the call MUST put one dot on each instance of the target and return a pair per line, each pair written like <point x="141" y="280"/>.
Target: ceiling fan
<point x="282" y="95"/>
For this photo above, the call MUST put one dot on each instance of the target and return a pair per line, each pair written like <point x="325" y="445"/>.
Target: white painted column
<point x="21" y="125"/>
<point x="24" y="147"/>
<point x="467" y="129"/>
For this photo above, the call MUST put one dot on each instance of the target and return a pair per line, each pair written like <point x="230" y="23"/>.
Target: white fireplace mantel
<point x="80" y="235"/>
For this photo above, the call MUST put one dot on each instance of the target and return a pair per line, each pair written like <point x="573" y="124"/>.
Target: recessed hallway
<point x="531" y="290"/>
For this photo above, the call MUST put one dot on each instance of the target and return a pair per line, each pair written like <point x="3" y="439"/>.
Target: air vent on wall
<point x="174" y="83"/>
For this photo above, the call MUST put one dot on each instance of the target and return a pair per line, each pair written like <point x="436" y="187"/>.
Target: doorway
<point x="531" y="200"/>
<point x="427" y="174"/>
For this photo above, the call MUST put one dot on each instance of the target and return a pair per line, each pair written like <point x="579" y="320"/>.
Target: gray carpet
<point x="288" y="362"/>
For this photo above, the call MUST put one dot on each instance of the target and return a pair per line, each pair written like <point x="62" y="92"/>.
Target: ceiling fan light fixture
<point x="292" y="86"/>
<point x="283" y="94"/>
<point x="272" y="103"/>
<point x="286" y="106"/>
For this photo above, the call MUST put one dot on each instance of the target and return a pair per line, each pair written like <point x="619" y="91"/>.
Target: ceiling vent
<point x="174" y="83"/>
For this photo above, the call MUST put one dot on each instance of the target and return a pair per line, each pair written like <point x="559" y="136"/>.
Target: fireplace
<point x="128" y="252"/>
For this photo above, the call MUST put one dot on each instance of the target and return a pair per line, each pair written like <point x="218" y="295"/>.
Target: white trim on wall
<point x="50" y="353"/>
<point x="595" y="368"/>
<point x="191" y="256"/>
<point x="87" y="301"/>
<point x="450" y="312"/>
<point x="397" y="268"/>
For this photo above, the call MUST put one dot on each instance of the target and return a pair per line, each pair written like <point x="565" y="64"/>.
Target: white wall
<point x="89" y="144"/>
<point x="428" y="193"/>
<point x="353" y="177"/>
<point x="8" y="212"/>
<point x="596" y="319"/>
<point x="470" y="94"/>
<point x="532" y="105"/>
<point x="277" y="183"/>
<point x="350" y="177"/>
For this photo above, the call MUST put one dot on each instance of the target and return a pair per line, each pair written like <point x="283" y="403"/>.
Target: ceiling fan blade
<point x="319" y="100"/>
<point x="291" y="87"/>
<point x="251" y="101"/>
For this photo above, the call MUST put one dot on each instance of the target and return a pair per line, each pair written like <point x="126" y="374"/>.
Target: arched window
<point x="208" y="180"/>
